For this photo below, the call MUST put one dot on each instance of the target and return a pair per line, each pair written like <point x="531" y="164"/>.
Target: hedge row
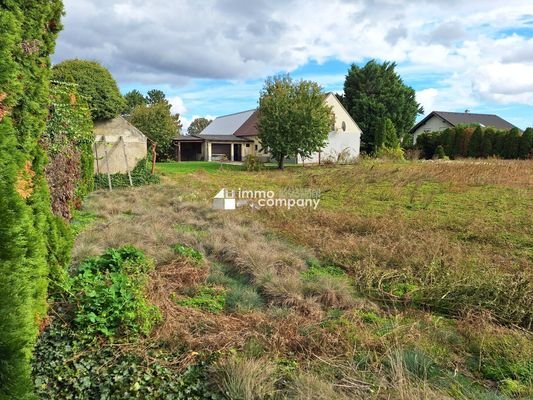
<point x="477" y="142"/>
<point x="29" y="30"/>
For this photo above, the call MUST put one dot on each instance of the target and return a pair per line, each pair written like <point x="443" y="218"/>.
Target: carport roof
<point x="211" y="138"/>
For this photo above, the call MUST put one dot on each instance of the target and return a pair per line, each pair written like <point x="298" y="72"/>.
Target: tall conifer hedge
<point x="28" y="33"/>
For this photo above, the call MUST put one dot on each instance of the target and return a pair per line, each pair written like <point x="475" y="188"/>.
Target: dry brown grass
<point x="322" y="319"/>
<point x="244" y="379"/>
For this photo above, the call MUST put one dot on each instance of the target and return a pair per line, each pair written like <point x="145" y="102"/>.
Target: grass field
<point x="409" y="281"/>
<point x="188" y="167"/>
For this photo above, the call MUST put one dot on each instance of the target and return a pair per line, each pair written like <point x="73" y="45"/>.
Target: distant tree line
<point x="476" y="142"/>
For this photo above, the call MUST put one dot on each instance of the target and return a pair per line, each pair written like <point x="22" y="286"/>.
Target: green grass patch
<point x="189" y="167"/>
<point x="241" y="296"/>
<point x="81" y="220"/>
<point x="206" y="298"/>
<point x="192" y="230"/>
<point x="315" y="271"/>
<point x="188" y="252"/>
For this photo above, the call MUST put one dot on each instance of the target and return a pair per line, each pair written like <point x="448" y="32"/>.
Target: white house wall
<point x="434" y="124"/>
<point x="345" y="139"/>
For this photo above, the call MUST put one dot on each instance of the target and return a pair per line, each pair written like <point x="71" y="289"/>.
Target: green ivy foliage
<point x="69" y="143"/>
<point x="29" y="30"/>
<point x="66" y="367"/>
<point x="95" y="83"/>
<point x="92" y="349"/>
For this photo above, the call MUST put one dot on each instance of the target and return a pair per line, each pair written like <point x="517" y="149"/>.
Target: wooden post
<point x="126" y="159"/>
<point x="154" y="145"/>
<point x="179" y="151"/>
<point x="107" y="164"/>
<point x="96" y="155"/>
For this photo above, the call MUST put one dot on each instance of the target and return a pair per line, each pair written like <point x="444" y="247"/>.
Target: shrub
<point x="108" y="292"/>
<point x="439" y="151"/>
<point x="253" y="163"/>
<point x="95" y="83"/>
<point x="389" y="153"/>
<point x="140" y="176"/>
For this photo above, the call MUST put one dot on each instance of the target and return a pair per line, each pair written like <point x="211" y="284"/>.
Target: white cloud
<point x="162" y="42"/>
<point x="178" y="105"/>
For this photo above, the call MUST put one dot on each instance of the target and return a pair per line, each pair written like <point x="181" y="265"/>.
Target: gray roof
<point x="227" y="124"/>
<point x="224" y="138"/>
<point x="467" y="118"/>
<point x="188" y="138"/>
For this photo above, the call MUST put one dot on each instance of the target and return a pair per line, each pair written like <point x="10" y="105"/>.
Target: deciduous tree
<point x="198" y="125"/>
<point x="294" y="119"/>
<point x="156" y="122"/>
<point x="133" y="99"/>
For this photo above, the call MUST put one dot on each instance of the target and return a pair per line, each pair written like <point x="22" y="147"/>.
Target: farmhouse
<point x="118" y="146"/>
<point x="235" y="136"/>
<point x="438" y="121"/>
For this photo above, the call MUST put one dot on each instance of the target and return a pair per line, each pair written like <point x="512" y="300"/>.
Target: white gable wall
<point x="434" y="124"/>
<point x="344" y="139"/>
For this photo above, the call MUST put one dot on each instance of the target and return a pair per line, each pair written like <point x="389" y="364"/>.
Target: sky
<point x="211" y="57"/>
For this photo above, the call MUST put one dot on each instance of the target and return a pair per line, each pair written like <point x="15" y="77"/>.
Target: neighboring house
<point x="235" y="136"/>
<point x="438" y="121"/>
<point x="118" y="146"/>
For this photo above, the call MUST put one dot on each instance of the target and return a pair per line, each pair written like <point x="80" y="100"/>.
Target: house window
<point x="256" y="147"/>
<point x="343" y="126"/>
<point x="247" y="144"/>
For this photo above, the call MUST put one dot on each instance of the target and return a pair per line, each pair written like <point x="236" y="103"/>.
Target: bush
<point x="439" y="152"/>
<point x="108" y="292"/>
<point x="390" y="153"/>
<point x="95" y="83"/>
<point x="253" y="163"/>
<point x="140" y="176"/>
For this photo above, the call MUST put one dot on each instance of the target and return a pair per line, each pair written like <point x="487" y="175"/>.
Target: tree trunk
<point x="281" y="162"/>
